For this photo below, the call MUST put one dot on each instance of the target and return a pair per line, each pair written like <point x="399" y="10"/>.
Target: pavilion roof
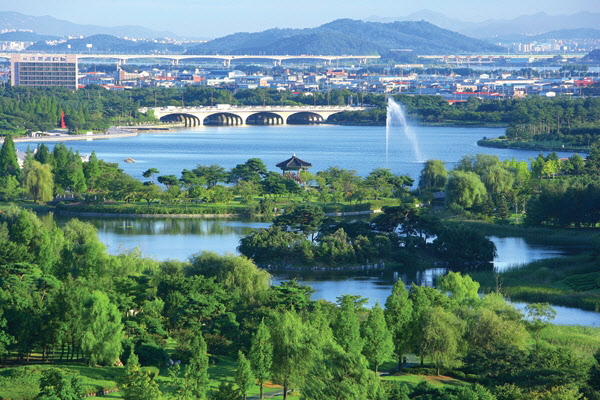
<point x="293" y="163"/>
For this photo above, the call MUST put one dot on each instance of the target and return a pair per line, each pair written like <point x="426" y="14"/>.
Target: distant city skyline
<point x="210" y="19"/>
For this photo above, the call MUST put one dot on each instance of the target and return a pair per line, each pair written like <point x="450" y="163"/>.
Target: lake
<point x="360" y="148"/>
<point x="179" y="238"/>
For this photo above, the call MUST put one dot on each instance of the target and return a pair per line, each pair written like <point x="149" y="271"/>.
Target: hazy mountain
<point x="563" y="34"/>
<point x="592" y="56"/>
<point x="108" y="44"/>
<point x="48" y="25"/>
<point x="25" y="37"/>
<point x="525" y="24"/>
<point x="346" y="36"/>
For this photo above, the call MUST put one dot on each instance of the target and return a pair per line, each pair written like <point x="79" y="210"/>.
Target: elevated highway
<point x="226" y="59"/>
<point x="226" y="115"/>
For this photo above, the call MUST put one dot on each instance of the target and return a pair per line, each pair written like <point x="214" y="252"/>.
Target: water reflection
<point x="179" y="238"/>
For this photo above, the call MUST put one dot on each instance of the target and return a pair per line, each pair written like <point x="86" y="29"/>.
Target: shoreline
<point x="112" y="133"/>
<point x="491" y="145"/>
<point x="189" y="216"/>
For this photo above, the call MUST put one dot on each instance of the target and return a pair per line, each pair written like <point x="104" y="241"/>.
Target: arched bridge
<point x="226" y="115"/>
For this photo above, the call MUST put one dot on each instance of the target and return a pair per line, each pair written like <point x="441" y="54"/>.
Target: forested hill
<point x="108" y="44"/>
<point x="346" y="36"/>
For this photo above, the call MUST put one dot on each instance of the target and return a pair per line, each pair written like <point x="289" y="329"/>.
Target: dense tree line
<point x="546" y="191"/>
<point x="63" y="297"/>
<point x="396" y="235"/>
<point x="94" y="108"/>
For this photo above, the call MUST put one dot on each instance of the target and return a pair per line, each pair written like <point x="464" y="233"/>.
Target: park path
<point x="267" y="395"/>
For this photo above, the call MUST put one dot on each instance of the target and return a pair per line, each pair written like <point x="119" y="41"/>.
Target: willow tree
<point x="38" y="181"/>
<point x="434" y="175"/>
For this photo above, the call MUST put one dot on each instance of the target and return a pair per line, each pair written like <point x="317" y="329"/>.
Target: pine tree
<point x="378" y="339"/>
<point x="9" y="164"/>
<point x="243" y="375"/>
<point x="137" y="384"/>
<point x="76" y="174"/>
<point x="346" y="328"/>
<point x="91" y="170"/>
<point x="398" y="313"/>
<point x="42" y="154"/>
<point x="261" y="355"/>
<point x="502" y="208"/>
<point x="197" y="369"/>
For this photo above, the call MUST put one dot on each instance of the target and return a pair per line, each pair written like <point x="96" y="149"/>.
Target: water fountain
<point x="396" y="117"/>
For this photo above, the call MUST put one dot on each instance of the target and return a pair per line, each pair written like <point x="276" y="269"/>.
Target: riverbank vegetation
<point x="72" y="186"/>
<point x="76" y="318"/>
<point x="304" y="238"/>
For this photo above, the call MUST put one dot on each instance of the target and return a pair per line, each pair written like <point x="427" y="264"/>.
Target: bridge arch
<point x="223" y="119"/>
<point x="304" y="118"/>
<point x="187" y="119"/>
<point x="265" y="118"/>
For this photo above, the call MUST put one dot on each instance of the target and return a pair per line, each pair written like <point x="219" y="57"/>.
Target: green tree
<point x="379" y="345"/>
<point x="137" y="384"/>
<point x="91" y="170"/>
<point x="434" y="175"/>
<point x="441" y="332"/>
<point x="462" y="288"/>
<point x="305" y="218"/>
<point x="75" y="173"/>
<point x="261" y="355"/>
<point x="38" y="181"/>
<point x="102" y="330"/>
<point x="244" y="377"/>
<point x="213" y="174"/>
<point x="398" y="313"/>
<point x="42" y="154"/>
<point x="346" y="327"/>
<point x="341" y="375"/>
<point x="289" y="355"/>
<point x="497" y="179"/>
<point x="83" y="255"/>
<point x="539" y="316"/>
<point x="197" y="369"/>
<point x="55" y="384"/>
<point x="239" y="275"/>
<point x="150" y="172"/>
<point x="10" y="189"/>
<point x="465" y="189"/>
<point x="9" y="164"/>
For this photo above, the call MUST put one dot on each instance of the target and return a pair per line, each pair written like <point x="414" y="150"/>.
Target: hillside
<point x="347" y="36"/>
<point x="21" y="36"/>
<point x="592" y="56"/>
<point x="48" y="25"/>
<point x="561" y="34"/>
<point x="532" y="24"/>
<point x="108" y="44"/>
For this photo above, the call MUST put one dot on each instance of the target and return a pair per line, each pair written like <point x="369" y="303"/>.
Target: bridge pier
<point x="227" y="63"/>
<point x="174" y="61"/>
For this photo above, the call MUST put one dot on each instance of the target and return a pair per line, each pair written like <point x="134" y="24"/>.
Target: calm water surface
<point x="180" y="238"/>
<point x="358" y="148"/>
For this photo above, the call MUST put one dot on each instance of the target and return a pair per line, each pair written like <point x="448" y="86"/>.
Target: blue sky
<point x="219" y="17"/>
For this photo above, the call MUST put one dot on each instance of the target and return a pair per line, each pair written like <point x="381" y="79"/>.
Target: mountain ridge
<point x="347" y="36"/>
<point x="48" y="25"/>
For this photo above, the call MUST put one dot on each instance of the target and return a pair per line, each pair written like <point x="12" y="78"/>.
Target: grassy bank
<point x="234" y="207"/>
<point x="541" y="145"/>
<point x="572" y="281"/>
<point x="538" y="235"/>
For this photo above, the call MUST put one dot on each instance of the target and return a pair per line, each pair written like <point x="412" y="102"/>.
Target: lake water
<point x="180" y="238"/>
<point x="359" y="148"/>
